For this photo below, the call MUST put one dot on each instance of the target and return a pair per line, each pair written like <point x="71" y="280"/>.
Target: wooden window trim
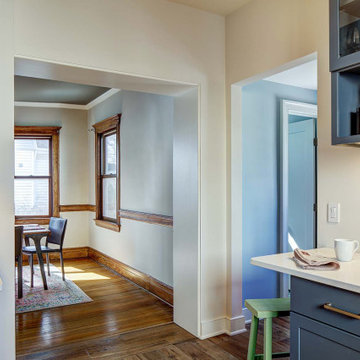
<point x="52" y="133"/>
<point x="111" y="124"/>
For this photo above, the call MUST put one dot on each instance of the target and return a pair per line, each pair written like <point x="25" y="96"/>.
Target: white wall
<point x="289" y="30"/>
<point x="186" y="212"/>
<point x="146" y="142"/>
<point x="7" y="298"/>
<point x="74" y="180"/>
<point x="160" y="39"/>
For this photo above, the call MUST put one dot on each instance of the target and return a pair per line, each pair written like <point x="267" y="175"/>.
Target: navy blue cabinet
<point x="320" y="333"/>
<point x="345" y="67"/>
<point x="344" y="33"/>
<point x="313" y="340"/>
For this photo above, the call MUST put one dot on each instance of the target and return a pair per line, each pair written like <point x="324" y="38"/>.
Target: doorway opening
<point x="155" y="259"/>
<point x="274" y="136"/>
<point x="298" y="180"/>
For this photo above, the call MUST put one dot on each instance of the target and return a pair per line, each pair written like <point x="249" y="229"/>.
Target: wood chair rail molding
<point x="33" y="220"/>
<point x="157" y="219"/>
<point x="77" y="207"/>
<point x="150" y="218"/>
<point x="156" y="287"/>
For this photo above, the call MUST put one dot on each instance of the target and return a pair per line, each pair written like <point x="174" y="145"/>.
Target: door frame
<point x="287" y="108"/>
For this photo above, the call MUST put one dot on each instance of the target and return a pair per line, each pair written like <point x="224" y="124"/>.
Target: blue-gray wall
<point x="146" y="147"/>
<point x="260" y="140"/>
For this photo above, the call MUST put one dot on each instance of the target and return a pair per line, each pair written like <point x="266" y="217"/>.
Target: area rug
<point x="59" y="293"/>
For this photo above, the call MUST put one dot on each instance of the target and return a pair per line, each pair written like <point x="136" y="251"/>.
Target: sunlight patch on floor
<point x="69" y="269"/>
<point x="86" y="276"/>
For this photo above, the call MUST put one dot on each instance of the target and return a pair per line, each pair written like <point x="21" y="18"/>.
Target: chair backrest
<point x="57" y="226"/>
<point x="18" y="240"/>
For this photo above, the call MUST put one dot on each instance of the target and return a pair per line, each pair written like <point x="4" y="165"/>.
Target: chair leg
<point x="253" y="338"/>
<point x="62" y="265"/>
<point x="268" y="339"/>
<point x="20" y="277"/>
<point x="48" y="263"/>
<point x="32" y="270"/>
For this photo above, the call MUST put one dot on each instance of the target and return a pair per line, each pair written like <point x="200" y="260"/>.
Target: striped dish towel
<point x="309" y="261"/>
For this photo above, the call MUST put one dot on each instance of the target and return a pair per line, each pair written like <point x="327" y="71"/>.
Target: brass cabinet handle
<point x="328" y="306"/>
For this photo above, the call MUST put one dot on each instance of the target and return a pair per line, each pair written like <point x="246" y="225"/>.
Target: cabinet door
<point x="313" y="340"/>
<point x="344" y="33"/>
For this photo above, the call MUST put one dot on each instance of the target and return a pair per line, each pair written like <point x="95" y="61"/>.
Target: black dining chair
<point x="18" y="258"/>
<point x="57" y="227"/>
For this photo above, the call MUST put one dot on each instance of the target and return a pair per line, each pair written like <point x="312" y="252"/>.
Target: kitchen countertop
<point x="347" y="277"/>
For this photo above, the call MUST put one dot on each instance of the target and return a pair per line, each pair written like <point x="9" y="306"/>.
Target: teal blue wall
<point x="260" y="140"/>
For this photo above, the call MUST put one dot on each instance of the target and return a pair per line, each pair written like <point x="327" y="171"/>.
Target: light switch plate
<point x="333" y="213"/>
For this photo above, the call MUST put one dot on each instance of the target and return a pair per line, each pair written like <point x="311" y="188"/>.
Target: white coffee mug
<point x="345" y="249"/>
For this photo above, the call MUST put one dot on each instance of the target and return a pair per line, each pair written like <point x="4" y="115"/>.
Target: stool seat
<point x="266" y="309"/>
<point x="269" y="308"/>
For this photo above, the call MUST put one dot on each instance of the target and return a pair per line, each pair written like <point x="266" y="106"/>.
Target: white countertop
<point x="347" y="277"/>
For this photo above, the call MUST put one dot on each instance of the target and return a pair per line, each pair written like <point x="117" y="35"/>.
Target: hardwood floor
<point x="123" y="322"/>
<point x="118" y="306"/>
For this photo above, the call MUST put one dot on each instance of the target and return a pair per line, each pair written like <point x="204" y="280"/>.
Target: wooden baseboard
<point x="147" y="282"/>
<point x="69" y="253"/>
<point x="156" y="287"/>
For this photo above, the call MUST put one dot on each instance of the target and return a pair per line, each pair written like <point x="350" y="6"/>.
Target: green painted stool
<point x="266" y="309"/>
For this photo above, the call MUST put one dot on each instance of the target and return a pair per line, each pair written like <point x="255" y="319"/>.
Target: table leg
<point x="20" y="277"/>
<point x="41" y="261"/>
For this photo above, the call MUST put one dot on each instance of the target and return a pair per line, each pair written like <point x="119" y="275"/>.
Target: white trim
<point x="88" y="106"/>
<point x="49" y="105"/>
<point x="222" y="325"/>
<point x="104" y="70"/>
<point x="213" y="327"/>
<point x="288" y="108"/>
<point x="235" y="325"/>
<point x="281" y="68"/>
<point x="234" y="247"/>
<point x="247" y="314"/>
<point x="101" y="98"/>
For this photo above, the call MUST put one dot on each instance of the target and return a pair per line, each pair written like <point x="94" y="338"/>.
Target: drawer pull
<point x="329" y="307"/>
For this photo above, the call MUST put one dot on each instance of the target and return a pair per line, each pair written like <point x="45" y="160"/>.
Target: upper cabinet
<point x="345" y="68"/>
<point x="344" y="33"/>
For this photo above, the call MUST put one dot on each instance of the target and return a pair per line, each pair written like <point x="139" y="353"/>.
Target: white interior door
<point x="302" y="182"/>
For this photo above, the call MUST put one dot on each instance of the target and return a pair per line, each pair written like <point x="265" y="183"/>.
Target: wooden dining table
<point x="37" y="233"/>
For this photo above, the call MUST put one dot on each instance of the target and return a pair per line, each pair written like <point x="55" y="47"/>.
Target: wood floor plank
<point x="165" y="353"/>
<point x="132" y="357"/>
<point x="137" y="342"/>
<point x="205" y="350"/>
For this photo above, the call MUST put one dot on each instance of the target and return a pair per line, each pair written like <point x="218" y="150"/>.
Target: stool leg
<point x="253" y="338"/>
<point x="268" y="339"/>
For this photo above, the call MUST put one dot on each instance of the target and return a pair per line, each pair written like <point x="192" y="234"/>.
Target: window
<point x="107" y="148"/>
<point x="36" y="174"/>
